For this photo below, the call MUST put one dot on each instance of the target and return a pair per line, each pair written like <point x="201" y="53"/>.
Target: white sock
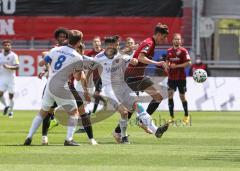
<point x="3" y="101"/>
<point x="11" y="104"/>
<point x="35" y="124"/>
<point x="147" y="120"/>
<point x="72" y="123"/>
<point x="123" y="126"/>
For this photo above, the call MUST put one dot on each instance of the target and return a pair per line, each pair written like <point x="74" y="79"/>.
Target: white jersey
<point x="10" y="59"/>
<point x="63" y="61"/>
<point x="111" y="70"/>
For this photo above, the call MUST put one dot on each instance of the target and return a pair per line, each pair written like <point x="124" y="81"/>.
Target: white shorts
<point x="49" y="99"/>
<point x="7" y="84"/>
<point x="119" y="95"/>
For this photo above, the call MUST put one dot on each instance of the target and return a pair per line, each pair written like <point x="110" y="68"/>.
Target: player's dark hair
<point x="111" y="39"/>
<point x="74" y="36"/>
<point x="161" y="28"/>
<point x="59" y="31"/>
<point x="6" y="41"/>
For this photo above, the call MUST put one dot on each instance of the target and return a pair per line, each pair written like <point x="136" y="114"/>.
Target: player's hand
<point x="134" y="61"/>
<point x="87" y="97"/>
<point x="41" y="74"/>
<point x="164" y="65"/>
<point x="173" y="66"/>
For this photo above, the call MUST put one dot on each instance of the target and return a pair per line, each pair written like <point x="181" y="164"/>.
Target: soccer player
<point x="134" y="75"/>
<point x="64" y="61"/>
<point x="130" y="46"/>
<point x="112" y="65"/>
<point x="177" y="59"/>
<point x="97" y="48"/>
<point x="61" y="37"/>
<point x="9" y="63"/>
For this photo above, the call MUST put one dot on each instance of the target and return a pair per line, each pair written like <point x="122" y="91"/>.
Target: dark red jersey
<point x="198" y="66"/>
<point x="177" y="56"/>
<point x="93" y="53"/>
<point x="147" y="47"/>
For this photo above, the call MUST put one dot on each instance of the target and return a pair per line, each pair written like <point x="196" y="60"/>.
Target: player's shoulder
<point x="183" y="49"/>
<point x="100" y="55"/>
<point x="170" y="49"/>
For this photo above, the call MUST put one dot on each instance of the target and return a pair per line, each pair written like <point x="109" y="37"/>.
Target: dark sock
<point x="185" y="107"/>
<point x="102" y="99"/>
<point x="86" y="122"/>
<point x="152" y="107"/>
<point x="117" y="129"/>
<point x="46" y="124"/>
<point x="171" y="107"/>
<point x="52" y="116"/>
<point x="96" y="102"/>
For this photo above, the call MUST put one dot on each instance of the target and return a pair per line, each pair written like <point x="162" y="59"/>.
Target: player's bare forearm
<point x="42" y="63"/>
<point x="143" y="59"/>
<point x="184" y="65"/>
<point x="11" y="67"/>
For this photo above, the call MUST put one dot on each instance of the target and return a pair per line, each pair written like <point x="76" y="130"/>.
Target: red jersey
<point x="93" y="53"/>
<point x="177" y="56"/>
<point x="198" y="66"/>
<point x="147" y="47"/>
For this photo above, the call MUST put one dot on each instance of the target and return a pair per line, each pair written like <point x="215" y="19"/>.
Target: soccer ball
<point x="200" y="75"/>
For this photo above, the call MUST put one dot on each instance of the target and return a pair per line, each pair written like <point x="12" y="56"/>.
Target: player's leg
<point x="123" y="123"/>
<point x="148" y="86"/>
<point x="3" y="88"/>
<point x="147" y="120"/>
<point x="47" y="102"/>
<point x="35" y="124"/>
<point x="172" y="86"/>
<point x="182" y="90"/>
<point x="157" y="98"/>
<point x="117" y="131"/>
<point x="11" y="105"/>
<point x="3" y="101"/>
<point x="86" y="123"/>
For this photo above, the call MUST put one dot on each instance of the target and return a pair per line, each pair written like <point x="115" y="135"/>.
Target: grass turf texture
<point x="211" y="143"/>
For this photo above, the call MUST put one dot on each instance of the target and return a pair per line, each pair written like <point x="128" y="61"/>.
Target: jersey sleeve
<point x="186" y="56"/>
<point x="126" y="58"/>
<point x="146" y="48"/>
<point x="16" y="60"/>
<point x="48" y="57"/>
<point x="93" y="64"/>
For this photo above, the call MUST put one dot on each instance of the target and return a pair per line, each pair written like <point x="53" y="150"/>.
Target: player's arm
<point x="11" y="67"/>
<point x="143" y="59"/>
<point x="183" y="65"/>
<point x="15" y="65"/>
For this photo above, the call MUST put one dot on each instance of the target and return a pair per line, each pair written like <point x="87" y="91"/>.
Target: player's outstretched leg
<point x="35" y="124"/>
<point x="146" y="120"/>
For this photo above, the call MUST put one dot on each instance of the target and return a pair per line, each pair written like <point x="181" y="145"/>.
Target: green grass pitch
<point x="212" y="142"/>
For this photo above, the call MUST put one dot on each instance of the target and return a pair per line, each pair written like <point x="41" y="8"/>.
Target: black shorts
<point x="180" y="84"/>
<point x="138" y="84"/>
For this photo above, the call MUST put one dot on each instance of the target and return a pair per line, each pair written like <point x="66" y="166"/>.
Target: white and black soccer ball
<point x="200" y="75"/>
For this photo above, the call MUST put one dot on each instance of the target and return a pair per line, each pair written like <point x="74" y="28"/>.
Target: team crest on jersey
<point x="178" y="53"/>
<point x="117" y="60"/>
<point x="146" y="48"/>
<point x="8" y="58"/>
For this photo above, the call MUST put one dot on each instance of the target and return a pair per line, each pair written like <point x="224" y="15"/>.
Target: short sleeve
<point x="48" y="57"/>
<point x="146" y="49"/>
<point x="16" y="60"/>
<point x="186" y="56"/>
